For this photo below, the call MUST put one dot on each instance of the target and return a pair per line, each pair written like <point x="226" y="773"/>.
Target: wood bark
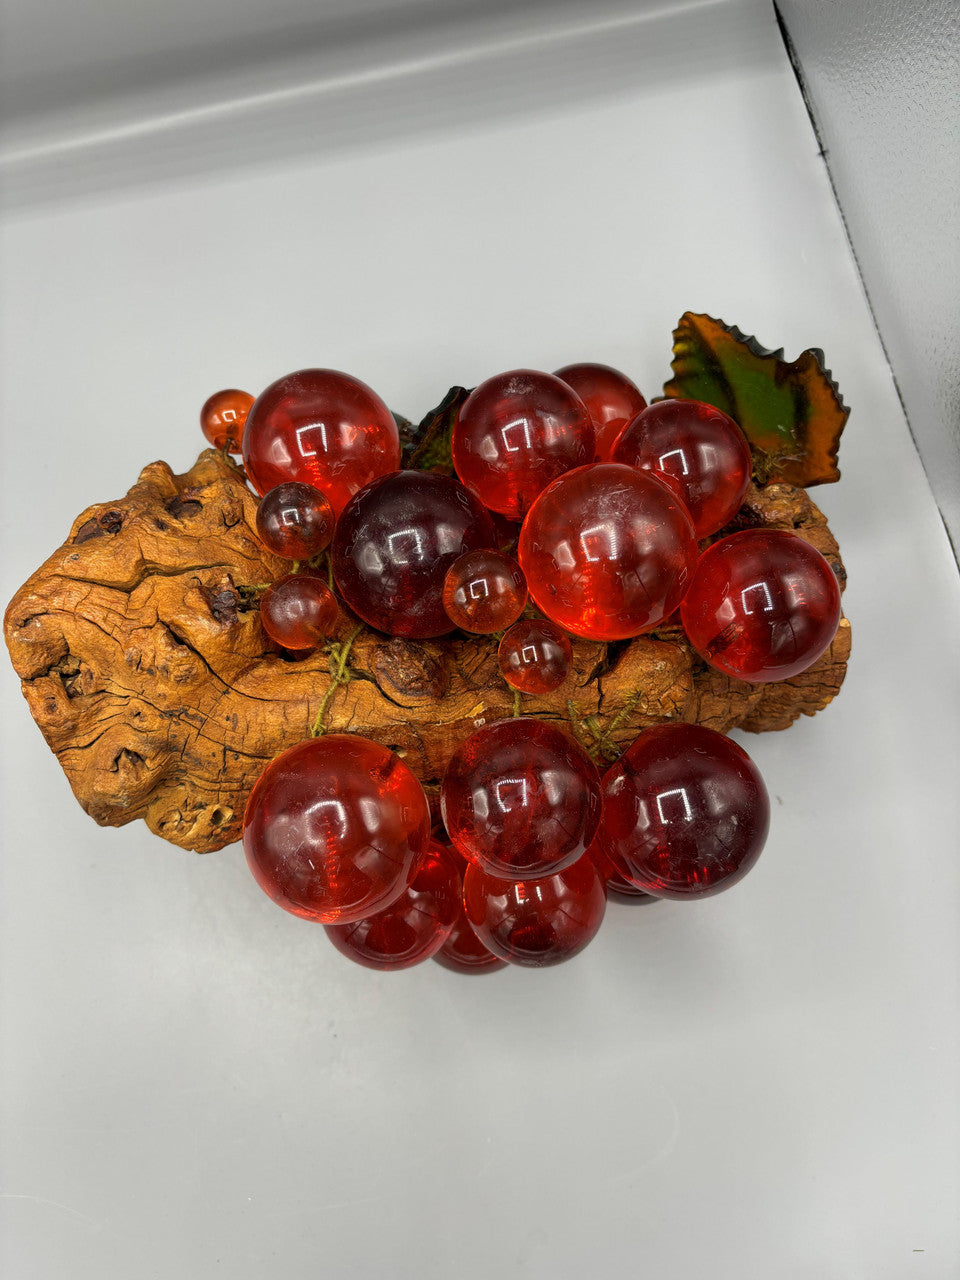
<point x="143" y="661"/>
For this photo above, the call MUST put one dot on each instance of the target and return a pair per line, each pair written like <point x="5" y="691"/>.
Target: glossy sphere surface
<point x="299" y="611"/>
<point x="521" y="798"/>
<point x="535" y="656"/>
<point x="612" y="401"/>
<point x="334" y="828"/>
<point x="607" y="551"/>
<point x="536" y="922"/>
<point x="223" y="417"/>
<point x="517" y="432"/>
<point x="414" y="926"/>
<point x="685" y="812"/>
<point x="762" y="605"/>
<point x="295" y="521"/>
<point x="463" y="952"/>
<point x="484" y="591"/>
<point x="394" y="544"/>
<point x="700" y="453"/>
<point x="614" y="880"/>
<point x="324" y="428"/>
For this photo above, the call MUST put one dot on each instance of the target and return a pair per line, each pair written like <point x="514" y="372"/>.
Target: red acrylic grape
<point x="612" y="400"/>
<point x="223" y="416"/>
<point x="762" y="605"/>
<point x="324" y="428"/>
<point x="535" y="656"/>
<point x="463" y="952"/>
<point x="394" y="544"/>
<point x="540" y="922"/>
<point x="334" y="828"/>
<point x="607" y="551"/>
<point x="521" y="798"/>
<point x="614" y="879"/>
<point x="299" y="611"/>
<point x="685" y="812"/>
<point x="295" y="520"/>
<point x="484" y="591"/>
<point x="700" y="453"/>
<point x="515" y="433"/>
<point x="414" y="926"/>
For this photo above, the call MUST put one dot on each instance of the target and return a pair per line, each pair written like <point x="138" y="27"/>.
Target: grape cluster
<point x="576" y="509"/>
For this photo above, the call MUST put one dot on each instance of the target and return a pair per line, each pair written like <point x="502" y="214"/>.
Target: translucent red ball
<point x="323" y="427"/>
<point x="685" y="812"/>
<point x="607" y="551"/>
<point x="535" y="656"/>
<point x="334" y="828"/>
<point x="484" y="591"/>
<point x="394" y="544"/>
<point x="697" y="451"/>
<point x="415" y="926"/>
<point x="762" y="605"/>
<point x="295" y="520"/>
<point x="612" y="401"/>
<point x="223" y="417"/>
<point x="521" y="798"/>
<point x="515" y="433"/>
<point x="299" y="611"/>
<point x="539" y="922"/>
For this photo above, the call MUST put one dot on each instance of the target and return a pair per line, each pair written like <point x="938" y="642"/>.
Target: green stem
<point x="516" y="703"/>
<point x="340" y="675"/>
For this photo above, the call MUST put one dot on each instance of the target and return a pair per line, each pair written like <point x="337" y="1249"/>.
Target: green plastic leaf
<point x="431" y="449"/>
<point x="791" y="412"/>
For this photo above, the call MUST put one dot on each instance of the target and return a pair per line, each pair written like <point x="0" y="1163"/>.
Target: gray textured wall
<point x="883" y="82"/>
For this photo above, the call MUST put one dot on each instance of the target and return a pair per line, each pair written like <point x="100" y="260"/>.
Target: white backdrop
<point x="760" y="1084"/>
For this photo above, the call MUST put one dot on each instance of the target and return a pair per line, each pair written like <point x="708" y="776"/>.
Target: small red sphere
<point x="616" y="883"/>
<point x="540" y="922"/>
<point x="697" y="451"/>
<point x="394" y="544"/>
<point x="334" y="828"/>
<point x="299" y="611"/>
<point x="415" y="926"/>
<point x="612" y="400"/>
<point x="521" y="798"/>
<point x="685" y="812"/>
<point x="463" y="952"/>
<point x="322" y="427"/>
<point x="607" y="551"/>
<point x="223" y="417"/>
<point x="295" y="521"/>
<point x="762" y="605"/>
<point x="515" y="433"/>
<point x="535" y="656"/>
<point x="484" y="591"/>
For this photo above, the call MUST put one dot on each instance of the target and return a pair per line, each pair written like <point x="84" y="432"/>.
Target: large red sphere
<point x="685" y="812"/>
<point x="540" y="922"/>
<point x="607" y="551"/>
<point x="415" y="926"/>
<point x="334" y="828"/>
<point x="697" y="451"/>
<point x="394" y="544"/>
<point x="612" y="400"/>
<point x="515" y="433"/>
<point x="762" y="605"/>
<point x="322" y="427"/>
<point x="521" y="798"/>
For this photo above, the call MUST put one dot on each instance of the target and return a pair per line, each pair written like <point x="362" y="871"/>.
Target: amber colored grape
<point x="323" y="427"/>
<point x="540" y="922"/>
<point x="414" y="926"/>
<point x="295" y="521"/>
<point x="521" y="798"/>
<point x="607" y="551"/>
<point x="394" y="544"/>
<point x="695" y="449"/>
<point x="484" y="591"/>
<point x="612" y="400"/>
<point x="535" y="656"/>
<point x="685" y="812"/>
<point x="299" y="611"/>
<point x="223" y="417"/>
<point x="334" y="828"/>
<point x="514" y="434"/>
<point x="762" y="605"/>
